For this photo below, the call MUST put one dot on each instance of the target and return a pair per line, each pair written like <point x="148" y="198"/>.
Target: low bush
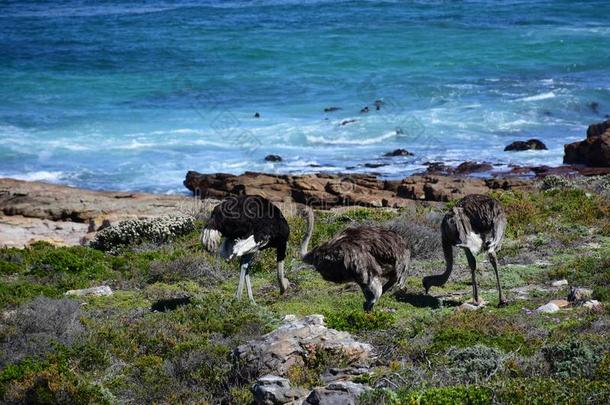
<point x="37" y="328"/>
<point x="423" y="240"/>
<point x="193" y="268"/>
<point x="357" y="320"/>
<point x="474" y="364"/>
<point x="572" y="359"/>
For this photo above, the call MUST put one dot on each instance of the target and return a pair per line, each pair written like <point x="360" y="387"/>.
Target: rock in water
<point x="288" y="345"/>
<point x="93" y="291"/>
<point x="398" y="152"/>
<point x="530" y="144"/>
<point x="593" y="151"/>
<point x="472" y="167"/>
<point x="273" y="158"/>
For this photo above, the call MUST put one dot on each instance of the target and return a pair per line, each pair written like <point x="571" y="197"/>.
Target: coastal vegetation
<point x="113" y="349"/>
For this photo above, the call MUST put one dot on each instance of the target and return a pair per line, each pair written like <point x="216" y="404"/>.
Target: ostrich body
<point x="476" y="223"/>
<point x="248" y="224"/>
<point x="375" y="258"/>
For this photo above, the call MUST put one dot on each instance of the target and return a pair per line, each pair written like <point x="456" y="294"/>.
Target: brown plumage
<point x="476" y="223"/>
<point x="375" y="258"/>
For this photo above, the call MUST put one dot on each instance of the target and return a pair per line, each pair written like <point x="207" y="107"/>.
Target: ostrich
<point x="249" y="224"/>
<point x="375" y="258"/>
<point x="477" y="222"/>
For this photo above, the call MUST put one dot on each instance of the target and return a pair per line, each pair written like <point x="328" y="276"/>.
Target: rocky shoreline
<point x="63" y="215"/>
<point x="32" y="211"/>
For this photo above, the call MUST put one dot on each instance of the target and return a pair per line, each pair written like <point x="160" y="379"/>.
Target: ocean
<point x="122" y="95"/>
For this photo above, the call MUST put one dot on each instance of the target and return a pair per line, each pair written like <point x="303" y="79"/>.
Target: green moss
<point x="18" y="292"/>
<point x="547" y="391"/>
<point x="358" y="320"/>
<point x="489" y="329"/>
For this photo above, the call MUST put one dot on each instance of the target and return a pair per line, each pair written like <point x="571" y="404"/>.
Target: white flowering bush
<point x="596" y="184"/>
<point x="552" y="182"/>
<point x="135" y="231"/>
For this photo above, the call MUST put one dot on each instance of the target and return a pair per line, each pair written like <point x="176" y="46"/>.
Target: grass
<point x="129" y="354"/>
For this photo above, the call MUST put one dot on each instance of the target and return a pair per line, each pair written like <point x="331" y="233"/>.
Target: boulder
<point x="594" y="150"/>
<point x="593" y="305"/>
<point x="530" y="144"/>
<point x="472" y="167"/>
<point x="549" y="308"/>
<point x="560" y="303"/>
<point x="342" y="392"/>
<point x="559" y="283"/>
<point x="271" y="390"/>
<point x="296" y="339"/>
<point x="273" y="158"/>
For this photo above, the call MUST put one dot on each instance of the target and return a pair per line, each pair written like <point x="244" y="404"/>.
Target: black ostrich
<point x="476" y="223"/>
<point x="375" y="258"/>
<point x="249" y="224"/>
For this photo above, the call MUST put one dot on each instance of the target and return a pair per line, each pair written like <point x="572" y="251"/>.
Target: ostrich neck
<point x="309" y="232"/>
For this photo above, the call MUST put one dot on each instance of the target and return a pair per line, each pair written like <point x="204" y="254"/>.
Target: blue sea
<point x="126" y="95"/>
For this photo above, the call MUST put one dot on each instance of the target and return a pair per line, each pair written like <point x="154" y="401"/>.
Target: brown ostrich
<point x="476" y="223"/>
<point x="375" y="258"/>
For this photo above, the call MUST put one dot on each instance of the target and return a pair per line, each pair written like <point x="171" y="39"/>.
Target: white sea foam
<point x="320" y="140"/>
<point x="51" y="177"/>
<point x="542" y="96"/>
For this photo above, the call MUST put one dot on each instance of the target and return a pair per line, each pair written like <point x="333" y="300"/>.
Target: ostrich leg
<point x="243" y="275"/>
<point x="281" y="279"/>
<point x="372" y="292"/>
<point x="248" y="282"/>
<point x="494" y="262"/>
<point x="472" y="262"/>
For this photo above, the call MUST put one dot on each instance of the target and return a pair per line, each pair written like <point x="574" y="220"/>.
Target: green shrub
<point x="467" y="395"/>
<point x="474" y="364"/>
<point x="572" y="359"/>
<point x="15" y="293"/>
<point x="357" y="320"/>
<point x="548" y="391"/>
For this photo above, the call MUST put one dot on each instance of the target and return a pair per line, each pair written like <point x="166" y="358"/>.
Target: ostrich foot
<point x="284" y="284"/>
<point x="502" y="303"/>
<point x="480" y="303"/>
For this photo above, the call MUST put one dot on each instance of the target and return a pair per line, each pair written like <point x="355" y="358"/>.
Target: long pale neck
<point x="307" y="238"/>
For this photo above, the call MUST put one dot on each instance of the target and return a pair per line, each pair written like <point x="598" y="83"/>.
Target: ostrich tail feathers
<point x="210" y="239"/>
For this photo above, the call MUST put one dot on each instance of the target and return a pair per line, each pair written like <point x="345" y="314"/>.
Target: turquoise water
<point x="130" y="96"/>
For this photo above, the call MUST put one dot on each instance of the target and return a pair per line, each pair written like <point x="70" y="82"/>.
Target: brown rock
<point x="472" y="167"/>
<point x="330" y="190"/>
<point x="593" y="151"/>
<point x="560" y="303"/>
<point x="533" y="144"/>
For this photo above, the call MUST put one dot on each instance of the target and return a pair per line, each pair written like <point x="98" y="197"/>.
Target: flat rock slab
<point x="290" y="344"/>
<point x="62" y="215"/>
<point x="100" y="291"/>
<point x="20" y="231"/>
<point x="330" y="190"/>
